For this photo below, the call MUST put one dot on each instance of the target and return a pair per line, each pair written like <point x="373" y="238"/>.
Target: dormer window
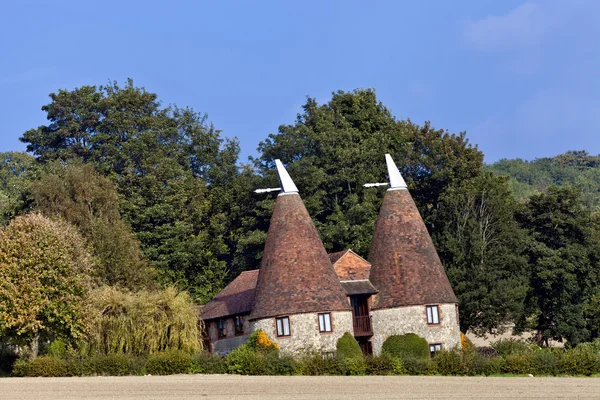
<point x="433" y="315"/>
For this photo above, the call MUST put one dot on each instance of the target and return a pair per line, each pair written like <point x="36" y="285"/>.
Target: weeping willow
<point x="143" y="322"/>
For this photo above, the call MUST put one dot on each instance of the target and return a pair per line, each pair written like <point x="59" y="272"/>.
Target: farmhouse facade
<point x="306" y="299"/>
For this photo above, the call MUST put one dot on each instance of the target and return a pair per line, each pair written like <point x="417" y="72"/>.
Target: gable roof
<point x="236" y="298"/>
<point x="350" y="266"/>
<point x="296" y="275"/>
<point x="405" y="266"/>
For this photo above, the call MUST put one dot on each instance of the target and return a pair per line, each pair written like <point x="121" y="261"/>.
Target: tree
<point x="482" y="245"/>
<point x="176" y="177"/>
<point x="335" y="148"/>
<point x="44" y="280"/>
<point x="82" y="197"/>
<point x="16" y="169"/>
<point x="563" y="254"/>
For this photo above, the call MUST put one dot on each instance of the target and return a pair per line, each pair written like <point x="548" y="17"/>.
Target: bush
<point x="347" y="347"/>
<point x="259" y="341"/>
<point x="352" y="365"/>
<point x="280" y="365"/>
<point x="418" y="366"/>
<point x="245" y="361"/>
<point x="115" y="364"/>
<point x="582" y="360"/>
<point x="380" y="365"/>
<point x="207" y="363"/>
<point x="506" y="347"/>
<point x="169" y="363"/>
<point x="45" y="366"/>
<point x="519" y="363"/>
<point x="480" y="364"/>
<point x="449" y="363"/>
<point x="57" y="349"/>
<point x="547" y="362"/>
<point x="406" y="346"/>
<point x="314" y="364"/>
<point x="487" y="351"/>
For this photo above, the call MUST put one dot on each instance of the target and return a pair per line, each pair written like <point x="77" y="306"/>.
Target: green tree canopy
<point x="482" y="245"/>
<point x="176" y="177"/>
<point x="563" y="252"/>
<point x="82" y="197"/>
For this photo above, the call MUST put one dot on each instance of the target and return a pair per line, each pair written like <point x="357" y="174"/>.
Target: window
<point x="434" y="348"/>
<point x="432" y="315"/>
<point x="283" y="326"/>
<point x="221" y="328"/>
<point x="325" y="322"/>
<point x="239" y="325"/>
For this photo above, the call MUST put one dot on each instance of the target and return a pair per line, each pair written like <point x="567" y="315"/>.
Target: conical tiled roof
<point x="405" y="266"/>
<point x="296" y="275"/>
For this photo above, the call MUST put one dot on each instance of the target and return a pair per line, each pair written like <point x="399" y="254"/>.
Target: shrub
<point x="418" y="366"/>
<point x="380" y="365"/>
<point x="449" y="363"/>
<point x="169" y="363"/>
<point x="347" y="347"/>
<point x="465" y="342"/>
<point x="518" y="363"/>
<point x="57" y="349"/>
<point x="487" y="351"/>
<point x="44" y="366"/>
<point x="115" y="364"/>
<point x="480" y="364"/>
<point x="582" y="360"/>
<point x="547" y="362"/>
<point x="259" y="341"/>
<point x="245" y="361"/>
<point x="280" y="365"/>
<point x="352" y="365"/>
<point x="207" y="363"/>
<point x="506" y="347"/>
<point x="406" y="346"/>
<point x="314" y="364"/>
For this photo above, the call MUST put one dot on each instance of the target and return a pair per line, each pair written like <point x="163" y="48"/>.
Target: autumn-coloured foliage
<point x="260" y="341"/>
<point x="44" y="279"/>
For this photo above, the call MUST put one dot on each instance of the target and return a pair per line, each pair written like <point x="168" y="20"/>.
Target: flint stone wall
<point x="304" y="332"/>
<point x="413" y="319"/>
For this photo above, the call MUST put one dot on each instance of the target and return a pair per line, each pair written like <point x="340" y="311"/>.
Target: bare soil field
<point x="297" y="387"/>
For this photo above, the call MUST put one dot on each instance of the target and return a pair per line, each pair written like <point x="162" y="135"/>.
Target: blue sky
<point x="522" y="78"/>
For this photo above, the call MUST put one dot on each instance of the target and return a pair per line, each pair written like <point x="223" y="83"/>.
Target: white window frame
<point x="433" y="314"/>
<point x="325" y="322"/>
<point x="283" y="326"/>
<point x="434" y="348"/>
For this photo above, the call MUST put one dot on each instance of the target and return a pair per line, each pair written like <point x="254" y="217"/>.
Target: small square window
<point x="434" y="348"/>
<point x="325" y="322"/>
<point x="433" y="316"/>
<point x="283" y="326"/>
<point x="221" y="328"/>
<point x="239" y="325"/>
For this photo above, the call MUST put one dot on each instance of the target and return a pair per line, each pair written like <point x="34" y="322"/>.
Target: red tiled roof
<point x="296" y="275"/>
<point x="405" y="266"/>
<point x="236" y="298"/>
<point x="334" y="257"/>
<point x="350" y="266"/>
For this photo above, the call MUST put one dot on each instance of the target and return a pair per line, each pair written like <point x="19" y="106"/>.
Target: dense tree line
<point x="161" y="198"/>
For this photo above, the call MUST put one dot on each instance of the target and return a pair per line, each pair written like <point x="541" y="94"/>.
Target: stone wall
<point x="413" y="319"/>
<point x="305" y="335"/>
